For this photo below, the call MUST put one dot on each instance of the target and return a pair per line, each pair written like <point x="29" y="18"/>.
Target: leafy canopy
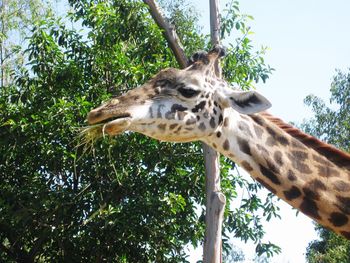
<point x="129" y="198"/>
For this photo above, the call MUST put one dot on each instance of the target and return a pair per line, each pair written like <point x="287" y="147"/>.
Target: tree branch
<point x="7" y="251"/>
<point x="168" y="32"/>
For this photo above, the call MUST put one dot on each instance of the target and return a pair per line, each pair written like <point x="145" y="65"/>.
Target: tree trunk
<point x="215" y="200"/>
<point x="2" y="42"/>
<point x="215" y="205"/>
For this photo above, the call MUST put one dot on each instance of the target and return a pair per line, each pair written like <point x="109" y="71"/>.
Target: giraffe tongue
<point x="116" y="126"/>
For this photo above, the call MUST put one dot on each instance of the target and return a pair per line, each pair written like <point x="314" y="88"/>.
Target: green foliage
<point x="331" y="248"/>
<point x="332" y="124"/>
<point x="244" y="66"/>
<point x="184" y="17"/>
<point x="16" y="19"/>
<point x="235" y="254"/>
<point x="129" y="198"/>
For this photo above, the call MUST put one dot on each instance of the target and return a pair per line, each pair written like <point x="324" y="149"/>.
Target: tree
<point x="129" y="198"/>
<point x="332" y="124"/>
<point x="16" y="19"/>
<point x="235" y="254"/>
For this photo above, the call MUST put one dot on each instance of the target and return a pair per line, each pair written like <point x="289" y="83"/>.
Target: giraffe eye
<point x="188" y="92"/>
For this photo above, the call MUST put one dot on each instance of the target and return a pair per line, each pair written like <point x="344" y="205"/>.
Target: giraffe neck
<point x="301" y="176"/>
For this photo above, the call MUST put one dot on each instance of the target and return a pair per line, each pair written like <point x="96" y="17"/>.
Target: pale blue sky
<point x="307" y="40"/>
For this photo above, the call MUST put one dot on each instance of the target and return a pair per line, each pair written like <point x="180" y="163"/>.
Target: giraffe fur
<point x="194" y="105"/>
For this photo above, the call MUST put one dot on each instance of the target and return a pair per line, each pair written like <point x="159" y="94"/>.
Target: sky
<point x="307" y="41"/>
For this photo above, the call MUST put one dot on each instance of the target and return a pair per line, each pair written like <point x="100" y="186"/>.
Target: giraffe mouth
<point x="116" y="125"/>
<point x="111" y="125"/>
<point x="97" y="117"/>
<point x="114" y="118"/>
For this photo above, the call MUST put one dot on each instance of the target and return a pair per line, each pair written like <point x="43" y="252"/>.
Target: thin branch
<point x="7" y="251"/>
<point x="169" y="33"/>
<point x="37" y="246"/>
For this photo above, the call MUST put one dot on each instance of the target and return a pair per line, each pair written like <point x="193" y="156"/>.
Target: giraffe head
<point x="177" y="105"/>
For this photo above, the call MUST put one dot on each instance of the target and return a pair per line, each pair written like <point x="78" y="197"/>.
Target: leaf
<point x="9" y="122"/>
<point x="238" y="25"/>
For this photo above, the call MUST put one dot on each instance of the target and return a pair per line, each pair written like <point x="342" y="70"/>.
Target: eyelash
<point x="188" y="93"/>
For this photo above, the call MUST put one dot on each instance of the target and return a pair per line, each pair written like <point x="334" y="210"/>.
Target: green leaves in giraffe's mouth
<point x="110" y="126"/>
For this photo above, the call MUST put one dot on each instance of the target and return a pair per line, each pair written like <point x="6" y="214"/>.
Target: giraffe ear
<point x="247" y="102"/>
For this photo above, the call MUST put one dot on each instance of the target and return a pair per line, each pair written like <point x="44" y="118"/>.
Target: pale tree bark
<point x="3" y="30"/>
<point x="215" y="200"/>
<point x="168" y="32"/>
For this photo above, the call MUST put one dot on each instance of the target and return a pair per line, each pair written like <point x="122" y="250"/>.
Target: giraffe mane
<point x="330" y="152"/>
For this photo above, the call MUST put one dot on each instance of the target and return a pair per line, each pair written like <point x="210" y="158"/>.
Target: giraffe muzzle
<point x="97" y="116"/>
<point x="116" y="126"/>
<point x="111" y="124"/>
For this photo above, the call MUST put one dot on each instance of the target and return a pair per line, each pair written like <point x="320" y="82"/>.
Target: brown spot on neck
<point x="338" y="219"/>
<point x="345" y="234"/>
<point x="343" y="204"/>
<point x="201" y="126"/>
<point x="226" y="122"/>
<point x="172" y="126"/>
<point x="291" y="176"/>
<point x="292" y="193"/>
<point x="162" y="127"/>
<point x="243" y="146"/>
<point x="266" y="185"/>
<point x="270" y="175"/>
<point x="244" y="127"/>
<point x="312" y="189"/>
<point x="297" y="161"/>
<point x="326" y="171"/>
<point x="309" y="208"/>
<point x="212" y="122"/>
<point x="247" y="166"/>
<point x="278" y="158"/>
<point x="258" y="131"/>
<point x="226" y="145"/>
<point x="341" y="186"/>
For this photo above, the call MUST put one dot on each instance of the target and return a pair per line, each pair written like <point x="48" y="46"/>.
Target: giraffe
<point x="194" y="105"/>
